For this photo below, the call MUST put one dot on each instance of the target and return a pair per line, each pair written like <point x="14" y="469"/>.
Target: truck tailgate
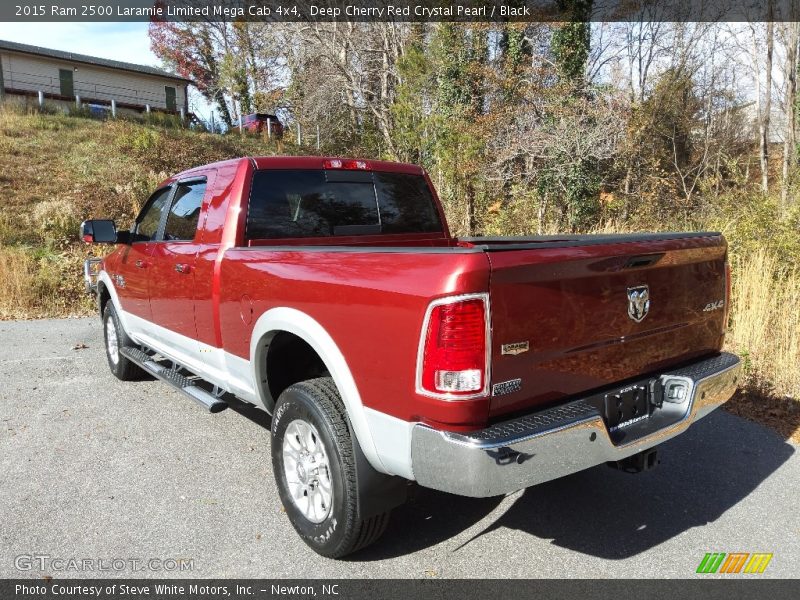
<point x="580" y="305"/>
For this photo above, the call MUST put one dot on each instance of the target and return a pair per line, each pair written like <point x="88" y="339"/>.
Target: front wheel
<point x="115" y="338"/>
<point x="314" y="466"/>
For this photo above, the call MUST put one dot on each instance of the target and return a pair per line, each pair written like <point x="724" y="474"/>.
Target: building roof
<point x="89" y="60"/>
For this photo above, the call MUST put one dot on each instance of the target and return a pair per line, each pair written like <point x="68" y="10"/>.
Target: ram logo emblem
<point x="515" y="348"/>
<point x="638" y="302"/>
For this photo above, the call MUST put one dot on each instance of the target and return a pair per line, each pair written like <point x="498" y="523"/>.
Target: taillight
<point x="453" y="361"/>
<point x="727" y="295"/>
<point x="351" y="165"/>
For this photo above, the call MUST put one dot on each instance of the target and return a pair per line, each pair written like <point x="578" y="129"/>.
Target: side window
<point x="147" y="223"/>
<point x="185" y="212"/>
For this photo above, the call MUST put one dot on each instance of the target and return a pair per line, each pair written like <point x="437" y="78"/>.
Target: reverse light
<point x="351" y="165"/>
<point x="676" y="390"/>
<point x="453" y="361"/>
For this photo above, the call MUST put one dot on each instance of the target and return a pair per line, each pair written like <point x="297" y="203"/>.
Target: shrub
<point x="140" y="140"/>
<point x="56" y="220"/>
<point x="133" y="193"/>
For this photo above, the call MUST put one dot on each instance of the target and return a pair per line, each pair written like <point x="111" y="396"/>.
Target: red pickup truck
<point x="330" y="293"/>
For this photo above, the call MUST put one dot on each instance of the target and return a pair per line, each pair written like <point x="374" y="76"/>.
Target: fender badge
<point x="515" y="348"/>
<point x="714" y="305"/>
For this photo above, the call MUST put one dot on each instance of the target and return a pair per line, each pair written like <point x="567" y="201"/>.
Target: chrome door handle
<point x="182" y="268"/>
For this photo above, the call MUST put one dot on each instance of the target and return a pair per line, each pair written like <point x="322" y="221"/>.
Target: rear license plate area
<point x="626" y="406"/>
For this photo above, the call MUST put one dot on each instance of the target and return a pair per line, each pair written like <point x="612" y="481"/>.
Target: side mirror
<point x="99" y="231"/>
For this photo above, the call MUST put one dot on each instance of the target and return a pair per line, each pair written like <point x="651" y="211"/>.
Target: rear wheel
<point x="115" y="338"/>
<point x="314" y="466"/>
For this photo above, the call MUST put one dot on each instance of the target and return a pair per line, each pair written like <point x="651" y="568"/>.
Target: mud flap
<point x="377" y="492"/>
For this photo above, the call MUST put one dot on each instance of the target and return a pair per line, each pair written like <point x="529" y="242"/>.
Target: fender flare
<point x="309" y="330"/>
<point x="104" y="278"/>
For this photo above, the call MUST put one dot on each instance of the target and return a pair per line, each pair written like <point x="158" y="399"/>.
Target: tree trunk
<point x="789" y="141"/>
<point x="471" y="224"/>
<point x="764" y="118"/>
<point x="541" y="214"/>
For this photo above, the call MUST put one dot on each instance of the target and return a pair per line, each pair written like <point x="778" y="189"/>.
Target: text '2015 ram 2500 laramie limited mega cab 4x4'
<point x="330" y="293"/>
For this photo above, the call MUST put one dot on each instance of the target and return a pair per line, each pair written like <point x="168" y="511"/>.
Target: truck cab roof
<point x="298" y="162"/>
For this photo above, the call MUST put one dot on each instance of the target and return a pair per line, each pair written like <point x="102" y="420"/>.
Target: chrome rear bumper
<point x="545" y="445"/>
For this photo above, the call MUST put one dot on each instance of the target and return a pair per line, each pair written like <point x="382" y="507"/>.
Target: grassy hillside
<point x="56" y="170"/>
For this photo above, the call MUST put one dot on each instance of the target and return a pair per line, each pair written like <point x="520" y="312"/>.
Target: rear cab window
<point x="303" y="203"/>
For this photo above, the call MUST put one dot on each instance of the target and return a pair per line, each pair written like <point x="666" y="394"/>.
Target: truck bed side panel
<point x="370" y="301"/>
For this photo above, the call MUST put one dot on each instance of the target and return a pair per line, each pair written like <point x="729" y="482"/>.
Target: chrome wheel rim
<point x="112" y="344"/>
<point x="307" y="470"/>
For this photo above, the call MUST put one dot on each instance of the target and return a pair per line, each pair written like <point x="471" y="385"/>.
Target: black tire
<point x="318" y="403"/>
<point x="121" y="367"/>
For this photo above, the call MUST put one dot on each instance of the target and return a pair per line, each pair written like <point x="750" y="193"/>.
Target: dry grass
<point x="40" y="283"/>
<point x="16" y="269"/>
<point x="765" y="322"/>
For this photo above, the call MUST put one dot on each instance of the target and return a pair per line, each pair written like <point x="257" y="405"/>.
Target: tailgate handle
<point x="642" y="261"/>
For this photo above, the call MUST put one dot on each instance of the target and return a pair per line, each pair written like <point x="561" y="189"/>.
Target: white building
<point x="61" y="76"/>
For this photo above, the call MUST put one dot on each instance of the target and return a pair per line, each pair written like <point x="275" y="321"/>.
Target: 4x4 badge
<point x="638" y="302"/>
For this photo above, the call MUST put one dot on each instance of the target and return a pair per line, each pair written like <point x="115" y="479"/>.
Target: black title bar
<point x="440" y="589"/>
<point x="476" y="11"/>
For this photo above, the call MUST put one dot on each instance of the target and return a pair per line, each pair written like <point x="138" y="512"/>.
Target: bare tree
<point x="548" y="137"/>
<point x="790" y="36"/>
<point x="361" y="59"/>
<point x="763" y="95"/>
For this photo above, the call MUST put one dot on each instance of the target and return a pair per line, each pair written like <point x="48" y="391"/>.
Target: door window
<point x="146" y="227"/>
<point x="184" y="215"/>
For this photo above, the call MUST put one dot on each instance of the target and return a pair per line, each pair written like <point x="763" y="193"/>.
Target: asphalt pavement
<point x="95" y="469"/>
